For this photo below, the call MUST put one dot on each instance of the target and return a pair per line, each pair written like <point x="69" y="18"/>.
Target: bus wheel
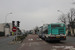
<point x="39" y="37"/>
<point x="46" y="39"/>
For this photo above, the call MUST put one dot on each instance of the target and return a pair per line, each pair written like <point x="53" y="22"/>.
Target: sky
<point x="32" y="13"/>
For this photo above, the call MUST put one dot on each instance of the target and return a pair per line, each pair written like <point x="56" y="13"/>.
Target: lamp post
<point x="63" y="15"/>
<point x="61" y="12"/>
<point x="6" y="21"/>
<point x="6" y="16"/>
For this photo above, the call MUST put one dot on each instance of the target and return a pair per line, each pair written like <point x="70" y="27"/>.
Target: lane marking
<point x="39" y="39"/>
<point x="22" y="45"/>
<point x="54" y="49"/>
<point x="44" y="42"/>
<point x="30" y="39"/>
<point x="37" y="43"/>
<point x="72" y="49"/>
<point x="29" y="44"/>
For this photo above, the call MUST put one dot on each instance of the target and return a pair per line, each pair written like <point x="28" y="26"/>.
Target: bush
<point x="2" y="34"/>
<point x="20" y="37"/>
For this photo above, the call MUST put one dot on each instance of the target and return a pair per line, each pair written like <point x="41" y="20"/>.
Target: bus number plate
<point x="57" y="37"/>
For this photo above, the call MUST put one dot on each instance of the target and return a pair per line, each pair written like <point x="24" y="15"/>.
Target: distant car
<point x="7" y="35"/>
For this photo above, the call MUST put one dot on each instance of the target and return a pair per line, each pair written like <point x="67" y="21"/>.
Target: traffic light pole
<point x="16" y="34"/>
<point x="17" y="25"/>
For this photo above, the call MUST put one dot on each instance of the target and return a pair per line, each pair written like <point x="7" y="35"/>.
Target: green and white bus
<point x="53" y="31"/>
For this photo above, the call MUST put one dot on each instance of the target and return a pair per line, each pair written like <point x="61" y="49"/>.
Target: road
<point x="33" y="42"/>
<point x="4" y="43"/>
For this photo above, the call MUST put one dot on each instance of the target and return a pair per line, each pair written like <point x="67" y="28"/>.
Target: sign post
<point x="14" y="29"/>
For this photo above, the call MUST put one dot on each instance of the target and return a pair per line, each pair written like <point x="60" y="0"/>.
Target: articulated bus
<point x="53" y="31"/>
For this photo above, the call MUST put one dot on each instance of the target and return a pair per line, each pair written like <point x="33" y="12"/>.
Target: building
<point x="7" y="29"/>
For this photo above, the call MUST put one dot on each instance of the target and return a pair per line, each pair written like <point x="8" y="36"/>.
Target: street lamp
<point x="63" y="15"/>
<point x="6" y="16"/>
<point x="6" y="20"/>
<point x="60" y="11"/>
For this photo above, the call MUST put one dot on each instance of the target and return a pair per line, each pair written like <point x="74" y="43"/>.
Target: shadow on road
<point x="55" y="42"/>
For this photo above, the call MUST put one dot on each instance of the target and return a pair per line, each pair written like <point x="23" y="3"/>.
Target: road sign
<point x="14" y="29"/>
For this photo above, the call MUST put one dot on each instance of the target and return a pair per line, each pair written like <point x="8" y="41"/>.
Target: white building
<point x="7" y="30"/>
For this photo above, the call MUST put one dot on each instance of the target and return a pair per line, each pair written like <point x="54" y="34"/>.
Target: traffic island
<point x="14" y="42"/>
<point x="18" y="40"/>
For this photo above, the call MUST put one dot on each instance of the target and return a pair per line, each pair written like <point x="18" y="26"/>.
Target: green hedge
<point x="2" y="34"/>
<point x="21" y="37"/>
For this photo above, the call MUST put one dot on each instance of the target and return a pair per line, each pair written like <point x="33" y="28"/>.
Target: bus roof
<point x="57" y="23"/>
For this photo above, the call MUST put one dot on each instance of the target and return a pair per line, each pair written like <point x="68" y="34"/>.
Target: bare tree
<point x="69" y="18"/>
<point x="62" y="19"/>
<point x="72" y="11"/>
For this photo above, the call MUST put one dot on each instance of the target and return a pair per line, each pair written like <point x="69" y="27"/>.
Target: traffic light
<point x="18" y="23"/>
<point x="13" y="23"/>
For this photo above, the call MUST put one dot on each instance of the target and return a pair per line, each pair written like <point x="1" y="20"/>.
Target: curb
<point x="2" y="37"/>
<point x="14" y="42"/>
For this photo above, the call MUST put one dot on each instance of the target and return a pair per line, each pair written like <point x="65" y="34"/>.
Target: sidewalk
<point x="2" y="37"/>
<point x="70" y="36"/>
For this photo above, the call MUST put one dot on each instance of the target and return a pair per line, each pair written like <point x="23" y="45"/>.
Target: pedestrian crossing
<point x="33" y="39"/>
<point x="30" y="44"/>
<point x="33" y="44"/>
<point x="30" y="39"/>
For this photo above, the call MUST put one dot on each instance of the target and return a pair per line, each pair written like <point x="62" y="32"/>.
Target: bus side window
<point x="46" y="31"/>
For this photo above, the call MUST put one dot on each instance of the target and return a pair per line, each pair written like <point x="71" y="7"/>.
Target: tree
<point x="72" y="11"/>
<point x="69" y="17"/>
<point x="62" y="19"/>
<point x="36" y="29"/>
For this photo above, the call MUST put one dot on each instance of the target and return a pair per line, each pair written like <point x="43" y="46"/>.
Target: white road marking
<point x="72" y="49"/>
<point x="54" y="49"/>
<point x="44" y="42"/>
<point x="29" y="44"/>
<point x="32" y="43"/>
<point x="31" y="39"/>
<point x="22" y="45"/>
<point x="39" y="39"/>
<point x="28" y="39"/>
<point x="37" y="43"/>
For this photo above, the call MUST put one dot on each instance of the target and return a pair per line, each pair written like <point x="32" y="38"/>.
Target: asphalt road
<point x="4" y="43"/>
<point x="33" y="42"/>
<point x="70" y="39"/>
